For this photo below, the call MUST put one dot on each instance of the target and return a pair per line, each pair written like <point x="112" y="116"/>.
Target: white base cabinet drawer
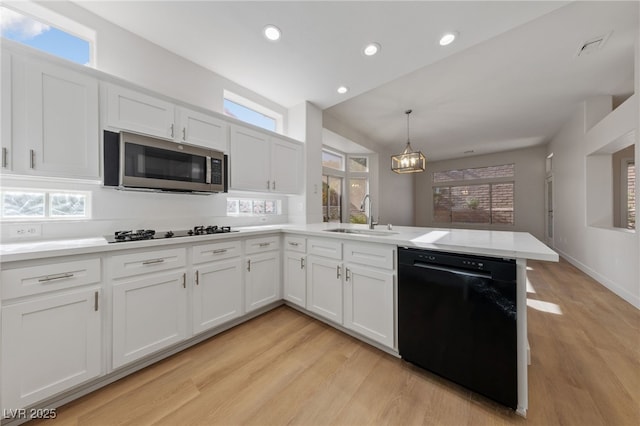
<point x="50" y="277"/>
<point x="261" y="245"/>
<point x="49" y="345"/>
<point x="298" y="244"/>
<point x="126" y="265"/>
<point x="217" y="251"/>
<point x="377" y="256"/>
<point x="149" y="314"/>
<point x="325" y="248"/>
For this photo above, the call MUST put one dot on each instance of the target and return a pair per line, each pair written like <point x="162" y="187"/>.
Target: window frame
<point x="256" y="107"/>
<point x="491" y="181"/>
<point x="47" y="215"/>
<point x="60" y="22"/>
<point x="346" y="175"/>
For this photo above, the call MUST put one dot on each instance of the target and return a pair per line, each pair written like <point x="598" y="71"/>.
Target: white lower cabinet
<point x="369" y="291"/>
<point x="217" y="295"/>
<point x="295" y="278"/>
<point x="324" y="287"/>
<point x="262" y="280"/>
<point x="149" y="303"/>
<point x="51" y="341"/>
<point x="368" y="303"/>
<point x="149" y="314"/>
<point x="262" y="272"/>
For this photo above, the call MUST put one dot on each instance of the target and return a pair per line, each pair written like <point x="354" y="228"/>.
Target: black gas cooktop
<point x="150" y="234"/>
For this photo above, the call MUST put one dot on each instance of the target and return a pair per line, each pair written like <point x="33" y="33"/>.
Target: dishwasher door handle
<point x="457" y="271"/>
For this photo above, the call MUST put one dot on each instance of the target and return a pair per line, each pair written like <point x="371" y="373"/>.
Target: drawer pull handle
<point x="56" y="277"/>
<point x="218" y="251"/>
<point x="265" y="244"/>
<point x="291" y="243"/>
<point x="152" y="261"/>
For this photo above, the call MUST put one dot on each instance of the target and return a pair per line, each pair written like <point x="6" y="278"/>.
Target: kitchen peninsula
<point x="201" y="285"/>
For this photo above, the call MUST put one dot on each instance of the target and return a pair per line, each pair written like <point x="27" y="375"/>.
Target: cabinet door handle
<point x="347" y="274"/>
<point x="197" y="277"/>
<point x="268" y="184"/>
<point x="95" y="301"/>
<point x="249" y="265"/>
<point x="184" y="133"/>
<point x="184" y="280"/>
<point x="338" y="271"/>
<point x="5" y="156"/>
<point x="218" y="251"/>
<point x="302" y="263"/>
<point x="273" y="185"/>
<point x="152" y="261"/>
<point x="56" y="277"/>
<point x="171" y="129"/>
<point x="32" y="159"/>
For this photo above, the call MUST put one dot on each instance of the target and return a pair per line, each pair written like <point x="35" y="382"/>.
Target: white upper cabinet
<point x="54" y="120"/>
<point x="286" y="165"/>
<point x="5" y="112"/>
<point x="197" y="128"/>
<point x="130" y="110"/>
<point x="264" y="163"/>
<point x="250" y="166"/>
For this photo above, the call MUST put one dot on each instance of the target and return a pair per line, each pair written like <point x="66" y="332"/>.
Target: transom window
<point x="483" y="195"/>
<point x="40" y="28"/>
<point x="251" y="112"/>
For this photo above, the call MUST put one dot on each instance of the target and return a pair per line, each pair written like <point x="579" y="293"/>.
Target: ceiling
<point x="509" y="81"/>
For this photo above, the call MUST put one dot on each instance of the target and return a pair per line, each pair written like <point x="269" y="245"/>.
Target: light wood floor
<point x="286" y="368"/>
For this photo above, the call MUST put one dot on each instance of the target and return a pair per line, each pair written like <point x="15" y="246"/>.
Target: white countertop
<point x="488" y="243"/>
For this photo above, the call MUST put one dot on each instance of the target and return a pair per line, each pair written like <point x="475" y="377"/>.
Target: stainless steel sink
<point x="362" y="232"/>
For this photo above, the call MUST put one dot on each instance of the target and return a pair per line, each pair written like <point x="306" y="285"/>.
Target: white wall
<point x="306" y="124"/>
<point x="529" y="188"/>
<point x="609" y="255"/>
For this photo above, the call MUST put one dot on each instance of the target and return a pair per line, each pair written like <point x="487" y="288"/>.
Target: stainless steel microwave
<point x="143" y="162"/>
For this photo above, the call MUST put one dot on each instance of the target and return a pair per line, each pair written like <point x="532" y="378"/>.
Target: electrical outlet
<point x="25" y="230"/>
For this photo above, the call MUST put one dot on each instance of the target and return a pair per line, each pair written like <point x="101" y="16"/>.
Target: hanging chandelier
<point x="409" y="161"/>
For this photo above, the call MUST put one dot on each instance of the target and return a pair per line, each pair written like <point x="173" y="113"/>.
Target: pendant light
<point x="409" y="161"/>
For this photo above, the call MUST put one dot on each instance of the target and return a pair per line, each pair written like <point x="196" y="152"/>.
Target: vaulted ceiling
<point x="511" y="78"/>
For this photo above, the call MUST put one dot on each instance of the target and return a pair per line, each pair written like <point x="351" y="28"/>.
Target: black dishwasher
<point x="457" y="318"/>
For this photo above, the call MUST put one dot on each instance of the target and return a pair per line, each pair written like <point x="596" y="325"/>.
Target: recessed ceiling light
<point x="271" y="32"/>
<point x="371" y="49"/>
<point x="343" y="89"/>
<point x="448" y="38"/>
